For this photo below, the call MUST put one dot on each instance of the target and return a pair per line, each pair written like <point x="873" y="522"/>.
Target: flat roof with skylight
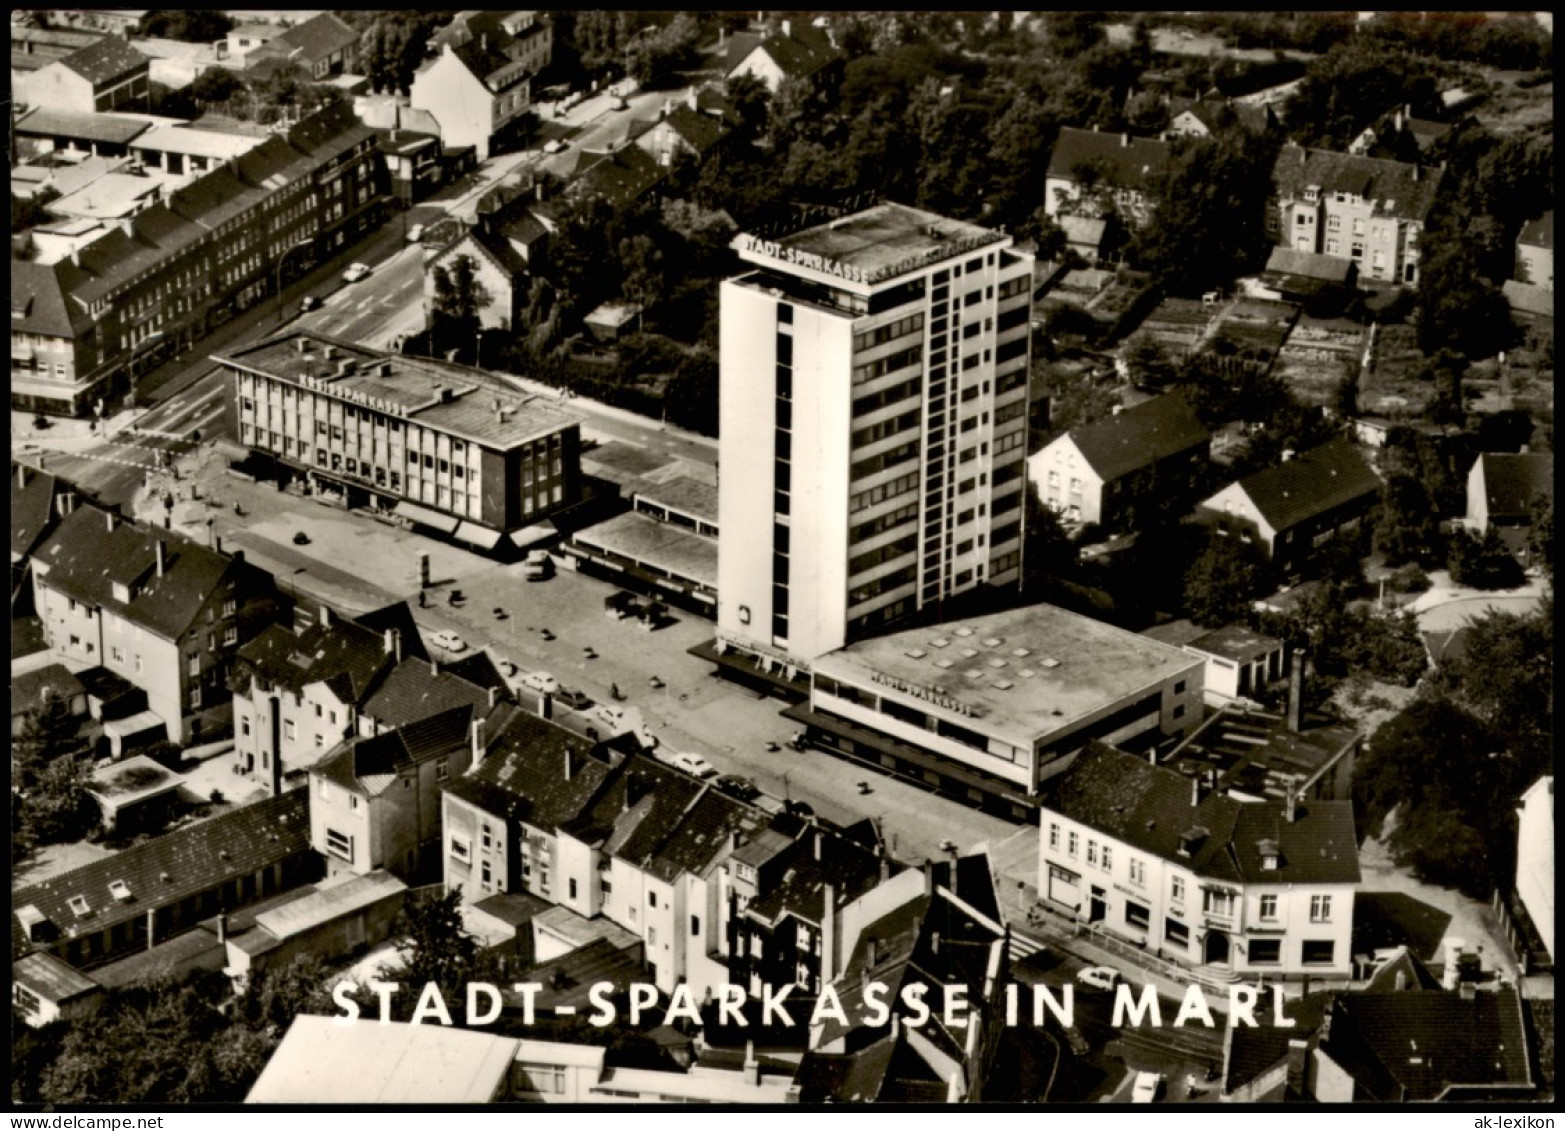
<point x="1023" y="673"/>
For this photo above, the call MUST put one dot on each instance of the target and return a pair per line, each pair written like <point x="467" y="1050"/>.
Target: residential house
<point x="1501" y="490"/>
<point x="787" y="886"/>
<point x="1205" y="116"/>
<point x="376" y="801"/>
<point x="415" y="689"/>
<point x="298" y="696"/>
<point x="790" y="52"/>
<point x="1254" y="888"/>
<point x="504" y="255"/>
<point x="528" y="37"/>
<point x="1363" y="209"/>
<point x="621" y="176"/>
<point x="154" y="890"/>
<point x="1535" y="860"/>
<point x="108" y="74"/>
<point x="243" y="39"/>
<point x="1292" y="275"/>
<point x="681" y="130"/>
<point x="323" y="46"/>
<point x="500" y="820"/>
<point x="140" y="292"/>
<point x="414" y="163"/>
<point x="32" y="690"/>
<point x="937" y="932"/>
<point x="1289" y="510"/>
<point x="1094" y="174"/>
<point x="45" y="990"/>
<point x="477" y="91"/>
<point x="155" y="608"/>
<point x="1422" y="132"/>
<point x="1422" y="1046"/>
<point x="1150" y="455"/>
<point x="1535" y="252"/>
<point x="39" y="500"/>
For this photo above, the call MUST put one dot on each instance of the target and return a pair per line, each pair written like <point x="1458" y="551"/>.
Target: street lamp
<point x="282" y="259"/>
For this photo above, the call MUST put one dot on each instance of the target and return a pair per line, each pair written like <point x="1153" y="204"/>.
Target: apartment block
<point x="873" y="424"/>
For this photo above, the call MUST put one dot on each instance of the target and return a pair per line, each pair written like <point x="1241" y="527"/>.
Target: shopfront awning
<point x="426" y="517"/>
<point x="529" y="536"/>
<point x="480" y="536"/>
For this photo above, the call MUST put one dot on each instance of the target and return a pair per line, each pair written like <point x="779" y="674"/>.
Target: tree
<point x="1504" y="673"/>
<point x="1148" y="362"/>
<point x="432" y="943"/>
<point x="1447" y="777"/>
<point x="654" y="59"/>
<point x="1540" y="536"/>
<point x="30" y="211"/>
<point x="1482" y="563"/>
<point x="460" y="299"/>
<point x="1407" y="530"/>
<point x="195" y="25"/>
<point x="274" y="995"/>
<point x="51" y="804"/>
<point x="1222" y="583"/>
<point x="642" y="270"/>
<point x="217" y="84"/>
<point x="1047" y="551"/>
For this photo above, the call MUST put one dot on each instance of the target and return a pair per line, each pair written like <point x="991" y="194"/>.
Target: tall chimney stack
<point x="1195" y="791"/>
<point x="162" y="552"/>
<point x="1290" y="800"/>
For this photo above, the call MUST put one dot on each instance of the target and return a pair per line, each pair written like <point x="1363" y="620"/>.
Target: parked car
<point x="1103" y="977"/>
<point x="541" y="682"/>
<point x="618" y="102"/>
<point x="355" y="272"/>
<point x="415" y="233"/>
<point x="507" y="667"/>
<point x="692" y="764"/>
<point x="735" y="786"/>
<point x="449" y="641"/>
<point x="554" y="146"/>
<point x="575" y="700"/>
<point x="308" y="303"/>
<point x="539" y="566"/>
<point x="612" y="715"/>
<point x="1146" y="1087"/>
<point x="300" y="538"/>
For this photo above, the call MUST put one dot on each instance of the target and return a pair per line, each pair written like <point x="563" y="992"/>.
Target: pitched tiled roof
<point x="33" y="508"/>
<point x="373" y="763"/>
<point x="1311" y="483"/>
<point x="1414" y="1046"/>
<point x="701" y="131"/>
<point x="799" y="886"/>
<point x="702" y="838"/>
<point x="170" y="868"/>
<point x="1126" y="161"/>
<point x="797" y="55"/>
<point x="320" y="37"/>
<point x="489" y="63"/>
<point x="620" y="176"/>
<point x="1254" y="1049"/>
<point x="400" y="618"/>
<point x="1405" y="965"/>
<point x="1149" y="807"/>
<point x="39" y="302"/>
<point x="85" y="558"/>
<point x="524" y="774"/>
<point x="1539" y="232"/>
<point x="31" y="689"/>
<point x="1139" y="436"/>
<point x="1397" y="189"/>
<point x="1309" y="265"/>
<point x="109" y="59"/>
<point x="1511" y="482"/>
<point x="413" y="691"/>
<point x="348" y="655"/>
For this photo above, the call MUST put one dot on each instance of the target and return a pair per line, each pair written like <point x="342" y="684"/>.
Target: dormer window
<point x="78" y="905"/>
<point x="122" y="592"/>
<point x="120" y="890"/>
<point x="1269" y="855"/>
<point x="1311" y="193"/>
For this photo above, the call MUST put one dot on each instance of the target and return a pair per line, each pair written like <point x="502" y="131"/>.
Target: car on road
<point x="300" y="538"/>
<point x="738" y="787"/>
<point x="449" y="641"/>
<point x="692" y="764"/>
<point x="415" y="233"/>
<point x="541" y="682"/>
<point x="539" y="566"/>
<point x="555" y="145"/>
<point x="575" y="700"/>
<point x="1102" y="977"/>
<point x="1146" y="1087"/>
<point x="355" y="272"/>
<point x="308" y="303"/>
<point x="618" y="103"/>
<point x="612" y="715"/>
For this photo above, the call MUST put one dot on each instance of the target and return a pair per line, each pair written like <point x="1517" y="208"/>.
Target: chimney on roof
<point x="76" y="254"/>
<point x="1195" y="791"/>
<point x="819" y="836"/>
<point x="21" y="474"/>
<point x="1298" y="1065"/>
<point x="390" y="642"/>
<point x="65" y="503"/>
<point x="885" y="864"/>
<point x="1094" y="127"/>
<point x="1296" y="692"/>
<point x="1401" y="980"/>
<point x="222" y="927"/>
<point x="328" y="352"/>
<point x="476" y="730"/>
<point x="1418" y="171"/>
<point x="111" y="520"/>
<point x="1290" y="800"/>
<point x="632" y="789"/>
<point x="494" y="694"/>
<point x="1124" y="141"/>
<point x="570" y="763"/>
<point x="325" y="617"/>
<point x="1288" y="454"/>
<point x="434" y="667"/>
<point x="787" y="28"/>
<point x="161" y="549"/>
